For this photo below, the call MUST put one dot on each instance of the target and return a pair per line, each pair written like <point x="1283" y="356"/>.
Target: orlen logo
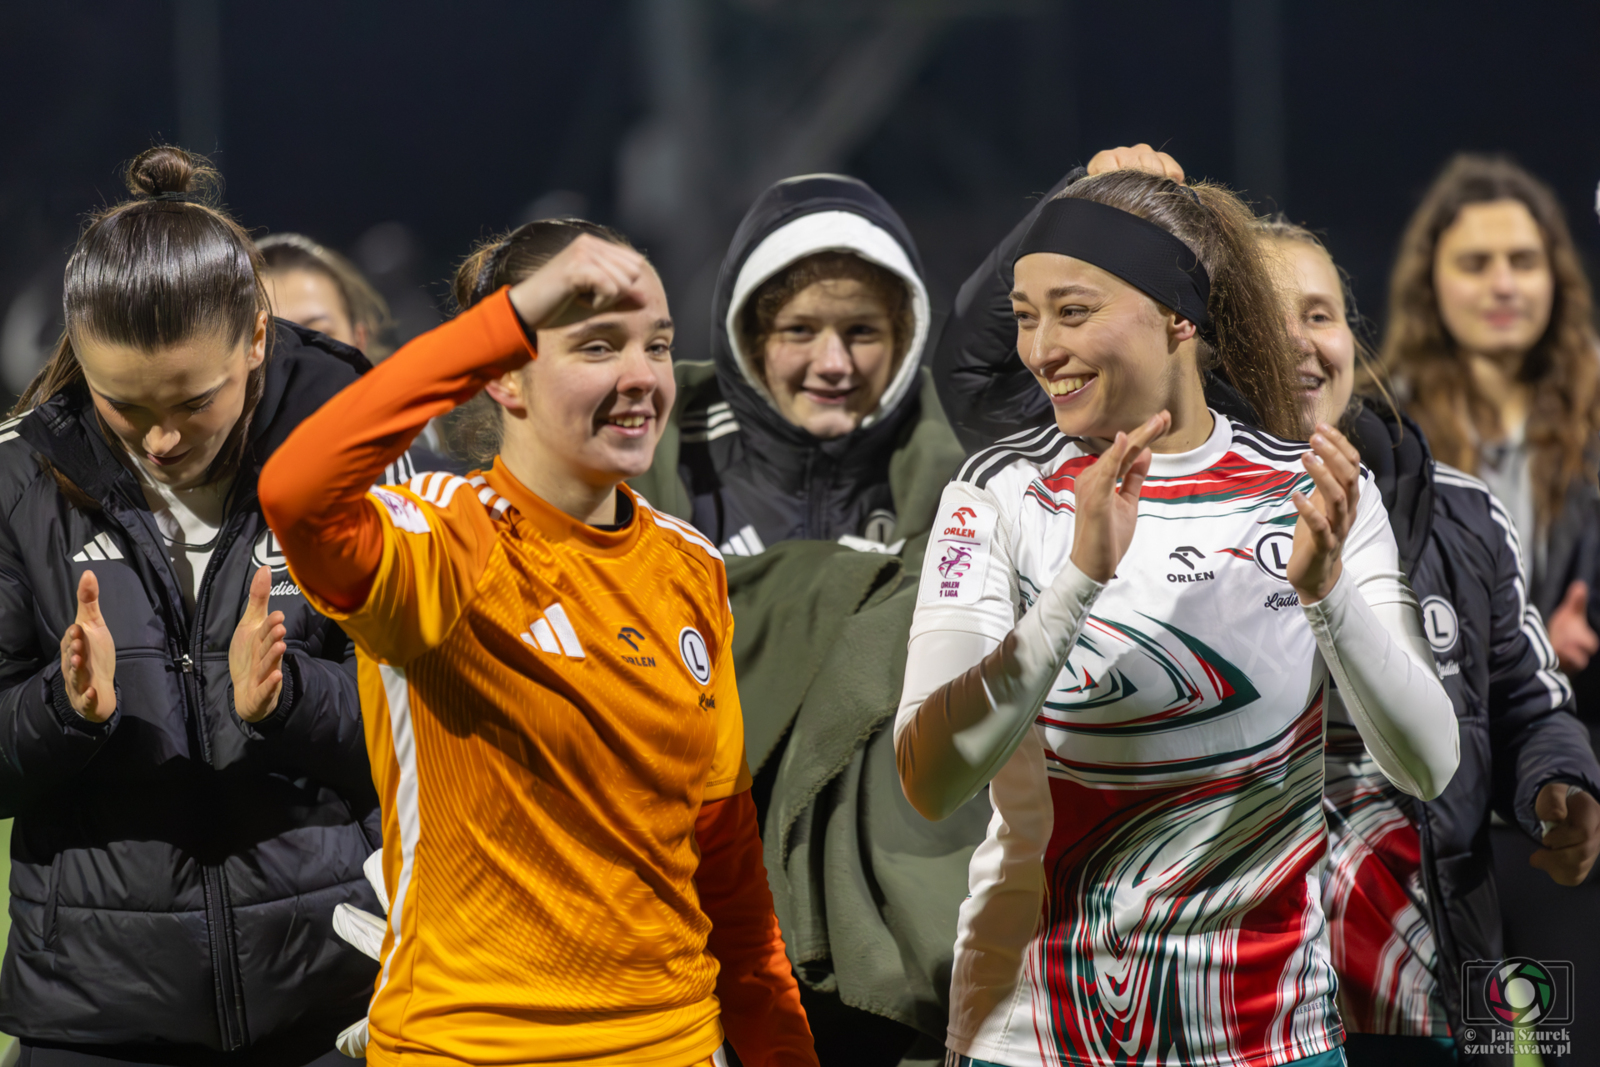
<point x="961" y="517"/>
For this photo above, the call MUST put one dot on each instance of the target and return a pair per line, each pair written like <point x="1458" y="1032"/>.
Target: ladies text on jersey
<point x="1149" y="886"/>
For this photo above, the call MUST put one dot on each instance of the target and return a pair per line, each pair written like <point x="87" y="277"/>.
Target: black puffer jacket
<point x="174" y="870"/>
<point x="1518" y="732"/>
<point x="747" y="468"/>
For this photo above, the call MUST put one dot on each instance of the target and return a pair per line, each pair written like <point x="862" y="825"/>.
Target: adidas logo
<point x="744" y="543"/>
<point x="698" y="427"/>
<point x="553" y="633"/>
<point x="101" y="548"/>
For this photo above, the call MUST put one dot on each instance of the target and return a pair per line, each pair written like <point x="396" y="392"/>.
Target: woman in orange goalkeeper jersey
<point x="570" y="848"/>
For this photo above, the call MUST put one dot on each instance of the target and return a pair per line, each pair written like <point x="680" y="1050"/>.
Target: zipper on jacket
<point x="1447" y="954"/>
<point x="219" y="914"/>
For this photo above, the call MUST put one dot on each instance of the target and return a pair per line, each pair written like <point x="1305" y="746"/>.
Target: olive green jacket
<point x="866" y="890"/>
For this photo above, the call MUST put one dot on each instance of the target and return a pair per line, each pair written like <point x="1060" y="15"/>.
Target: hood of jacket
<point x="792" y="219"/>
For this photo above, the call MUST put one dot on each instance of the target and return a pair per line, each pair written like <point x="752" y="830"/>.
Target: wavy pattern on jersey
<point x="1143" y="959"/>
<point x="1112" y="661"/>
<point x="1383" y="946"/>
<point x="1246" y="484"/>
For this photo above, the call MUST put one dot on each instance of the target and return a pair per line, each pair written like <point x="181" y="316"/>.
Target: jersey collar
<point x="1179" y="464"/>
<point x="534" y="515"/>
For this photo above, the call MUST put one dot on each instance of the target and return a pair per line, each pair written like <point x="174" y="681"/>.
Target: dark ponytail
<point x="1248" y="339"/>
<point x="158" y="270"/>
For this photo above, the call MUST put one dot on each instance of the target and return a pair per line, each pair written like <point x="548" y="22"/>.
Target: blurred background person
<point x="1491" y="344"/>
<point x="315" y="286"/>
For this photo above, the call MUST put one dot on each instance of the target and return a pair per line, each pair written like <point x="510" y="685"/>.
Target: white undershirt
<point x="188" y="520"/>
<point x="1507" y="468"/>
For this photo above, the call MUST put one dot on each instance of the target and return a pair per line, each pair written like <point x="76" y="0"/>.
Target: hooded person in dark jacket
<point x="181" y="743"/>
<point x="1522" y="749"/>
<point x="815" y="383"/>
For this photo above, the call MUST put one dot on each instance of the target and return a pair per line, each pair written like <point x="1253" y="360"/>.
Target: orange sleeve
<point x="761" y="1011"/>
<point x="313" y="488"/>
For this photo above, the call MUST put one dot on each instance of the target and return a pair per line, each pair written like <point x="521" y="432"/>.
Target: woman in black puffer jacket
<point x="180" y="736"/>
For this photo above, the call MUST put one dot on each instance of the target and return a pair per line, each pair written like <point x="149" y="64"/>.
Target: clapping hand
<point x="89" y="656"/>
<point x="255" y="656"/>
<point x="1326" y="516"/>
<point x="1106" y="499"/>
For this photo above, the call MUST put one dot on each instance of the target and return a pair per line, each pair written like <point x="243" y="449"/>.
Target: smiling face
<point x="174" y="407"/>
<point x="1493" y="279"/>
<point x="1107" y="354"/>
<point x="590" y="409"/>
<point x="830" y="355"/>
<point x="312" y="299"/>
<point x="1313" y="305"/>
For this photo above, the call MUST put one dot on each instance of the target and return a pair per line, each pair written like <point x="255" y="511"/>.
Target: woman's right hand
<point x="583" y="279"/>
<point x="89" y="656"/>
<point x="1106" y="500"/>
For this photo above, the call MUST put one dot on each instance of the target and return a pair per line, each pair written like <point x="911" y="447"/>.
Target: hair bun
<point x="169" y="169"/>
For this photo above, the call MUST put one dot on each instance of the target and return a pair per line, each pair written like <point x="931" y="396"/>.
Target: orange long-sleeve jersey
<point x="555" y="733"/>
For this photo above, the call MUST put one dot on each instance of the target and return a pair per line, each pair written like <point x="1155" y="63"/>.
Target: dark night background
<point x="402" y="132"/>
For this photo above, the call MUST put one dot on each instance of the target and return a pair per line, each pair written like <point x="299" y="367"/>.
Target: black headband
<point x="1136" y="250"/>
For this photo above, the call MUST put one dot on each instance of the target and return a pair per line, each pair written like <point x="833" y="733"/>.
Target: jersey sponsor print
<point x="1162" y="824"/>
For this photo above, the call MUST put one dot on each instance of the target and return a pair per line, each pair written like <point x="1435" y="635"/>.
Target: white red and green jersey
<point x="1149" y="891"/>
<point x="1381" y="939"/>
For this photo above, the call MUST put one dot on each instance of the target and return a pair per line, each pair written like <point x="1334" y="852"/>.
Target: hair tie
<point x="1190" y="193"/>
<point x="170" y="198"/>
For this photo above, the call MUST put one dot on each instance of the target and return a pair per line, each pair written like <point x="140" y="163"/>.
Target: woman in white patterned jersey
<point x="1127" y="627"/>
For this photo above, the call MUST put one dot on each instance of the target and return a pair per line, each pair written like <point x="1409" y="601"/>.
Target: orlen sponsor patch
<point x="403" y="511"/>
<point x="958" y="555"/>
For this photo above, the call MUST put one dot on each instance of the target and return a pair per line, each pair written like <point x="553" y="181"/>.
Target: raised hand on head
<point x="89" y="656"/>
<point x="1326" y="516"/>
<point x="583" y="279"/>
<point x="255" y="655"/>
<point x="1137" y="157"/>
<point x="1106" y="500"/>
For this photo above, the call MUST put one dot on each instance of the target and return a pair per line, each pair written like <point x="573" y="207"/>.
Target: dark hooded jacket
<point x="1515" y="710"/>
<point x="745" y="467"/>
<point x="174" y="870"/>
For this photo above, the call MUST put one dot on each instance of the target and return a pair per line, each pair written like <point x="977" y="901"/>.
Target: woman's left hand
<point x="1326" y="516"/>
<point x="255" y="658"/>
